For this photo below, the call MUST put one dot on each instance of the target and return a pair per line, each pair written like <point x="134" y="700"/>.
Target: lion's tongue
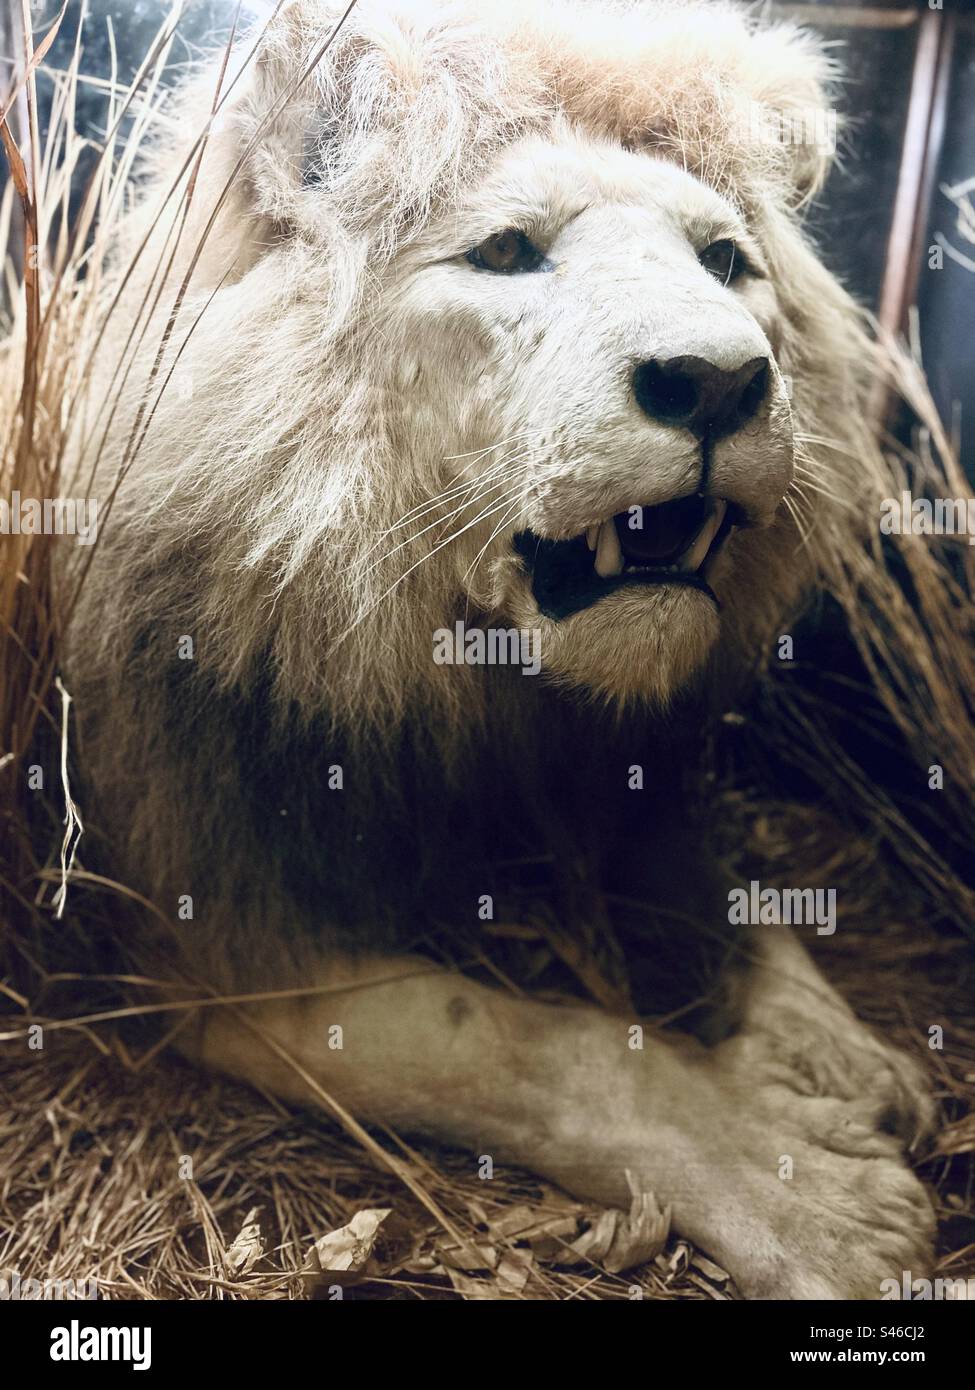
<point x="660" y="535"/>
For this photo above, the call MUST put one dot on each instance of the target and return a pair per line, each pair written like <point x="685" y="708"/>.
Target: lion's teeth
<point x="592" y="536"/>
<point x="693" y="558"/>
<point x="609" y="556"/>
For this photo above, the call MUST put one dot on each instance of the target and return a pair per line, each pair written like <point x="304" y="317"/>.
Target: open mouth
<point x="675" y="543"/>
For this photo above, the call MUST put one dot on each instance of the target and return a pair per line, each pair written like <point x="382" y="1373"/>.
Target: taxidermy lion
<point x="501" y="316"/>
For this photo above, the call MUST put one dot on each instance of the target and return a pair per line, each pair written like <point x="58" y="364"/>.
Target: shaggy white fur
<point x="329" y="459"/>
<point x="338" y="192"/>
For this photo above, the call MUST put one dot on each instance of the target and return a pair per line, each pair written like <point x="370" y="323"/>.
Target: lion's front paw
<point x="798" y="1032"/>
<point x="827" y="1052"/>
<point x="843" y="1214"/>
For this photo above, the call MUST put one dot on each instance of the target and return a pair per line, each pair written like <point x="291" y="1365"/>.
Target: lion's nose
<point x="703" y="398"/>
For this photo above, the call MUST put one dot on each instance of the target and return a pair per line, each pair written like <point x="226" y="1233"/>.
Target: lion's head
<point x="501" y="312"/>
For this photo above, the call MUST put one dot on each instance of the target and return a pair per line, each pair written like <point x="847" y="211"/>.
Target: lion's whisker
<point x="471" y="571"/>
<point x="482" y="516"/>
<point x="430" y="504"/>
<point x="824" y="443"/>
<point x="479" y="453"/>
<point x="447" y="495"/>
<point x="799" y="520"/>
<point x="813" y="485"/>
<point x="437" y="521"/>
<point x="805" y="463"/>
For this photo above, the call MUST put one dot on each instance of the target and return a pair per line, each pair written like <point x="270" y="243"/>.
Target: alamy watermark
<point x="920" y="516"/>
<point x="15" y="1289"/>
<point x="490" y="646"/>
<point x="78" y="1343"/>
<point x="805" y="125"/>
<point x="49" y="516"/>
<point x="756" y="906"/>
<point x="920" y="1290"/>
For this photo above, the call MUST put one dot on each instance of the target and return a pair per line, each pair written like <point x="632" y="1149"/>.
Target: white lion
<point x="499" y="314"/>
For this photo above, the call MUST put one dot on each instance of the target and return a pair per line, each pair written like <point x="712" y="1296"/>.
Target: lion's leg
<point x="557" y="1090"/>
<point x="561" y="1091"/>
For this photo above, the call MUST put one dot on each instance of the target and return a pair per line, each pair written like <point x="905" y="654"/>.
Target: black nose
<point x="694" y="393"/>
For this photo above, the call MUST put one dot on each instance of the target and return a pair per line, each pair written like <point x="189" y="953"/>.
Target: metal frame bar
<point x="920" y="151"/>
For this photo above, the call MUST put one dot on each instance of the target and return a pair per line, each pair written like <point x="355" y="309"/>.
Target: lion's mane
<point x="263" y="451"/>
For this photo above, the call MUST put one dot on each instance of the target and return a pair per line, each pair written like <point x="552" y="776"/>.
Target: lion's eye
<point x="506" y="253"/>
<point x="723" y="260"/>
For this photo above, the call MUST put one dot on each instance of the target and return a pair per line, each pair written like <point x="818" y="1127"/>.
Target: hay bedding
<point x="120" y="1163"/>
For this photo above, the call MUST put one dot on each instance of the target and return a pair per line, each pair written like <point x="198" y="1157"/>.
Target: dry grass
<point x="97" y="1126"/>
<point x="97" y="1130"/>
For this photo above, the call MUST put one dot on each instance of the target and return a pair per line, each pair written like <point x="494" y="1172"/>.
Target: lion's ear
<point x="789" y="107"/>
<point x="276" y="115"/>
<point x="265" y="138"/>
<point x="742" y="104"/>
<point x="349" y="114"/>
<point x="247" y="119"/>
